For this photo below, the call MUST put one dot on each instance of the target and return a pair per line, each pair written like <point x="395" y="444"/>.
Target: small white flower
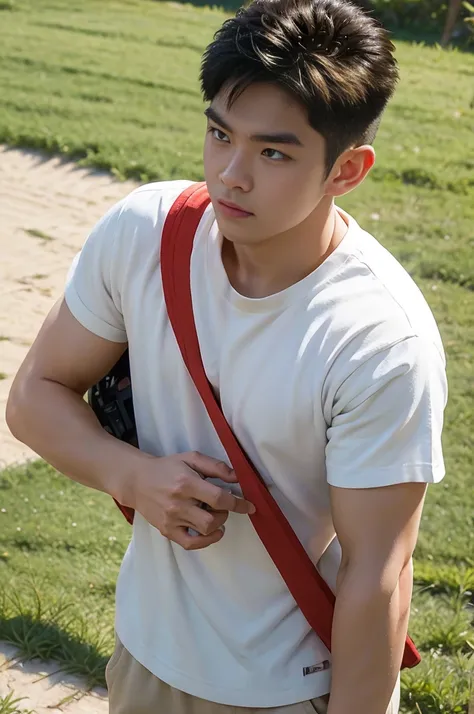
<point x="18" y="528"/>
<point x="42" y="496"/>
<point x="416" y="149"/>
<point x="26" y="500"/>
<point x="434" y="287"/>
<point x="375" y="216"/>
<point x="74" y="525"/>
<point x="111" y="538"/>
<point x="61" y="493"/>
<point x="447" y="237"/>
<point x="4" y="510"/>
<point x="34" y="510"/>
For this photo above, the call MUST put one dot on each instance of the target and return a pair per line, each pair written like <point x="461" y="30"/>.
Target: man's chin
<point x="232" y="234"/>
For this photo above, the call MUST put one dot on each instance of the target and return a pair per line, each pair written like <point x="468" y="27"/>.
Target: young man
<point x="329" y="368"/>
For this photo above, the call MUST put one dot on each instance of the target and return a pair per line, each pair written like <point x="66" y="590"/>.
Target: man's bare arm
<point x="377" y="529"/>
<point x="46" y="410"/>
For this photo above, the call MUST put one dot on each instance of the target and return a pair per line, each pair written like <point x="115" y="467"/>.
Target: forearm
<point x="61" y="427"/>
<point x="368" y="636"/>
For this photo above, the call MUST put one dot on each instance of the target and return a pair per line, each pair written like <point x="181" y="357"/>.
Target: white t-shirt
<point x="339" y="379"/>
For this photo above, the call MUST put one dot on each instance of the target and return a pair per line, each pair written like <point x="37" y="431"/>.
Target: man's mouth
<point x="233" y="210"/>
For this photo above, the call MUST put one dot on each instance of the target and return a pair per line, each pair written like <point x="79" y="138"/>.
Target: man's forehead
<point x="265" y="106"/>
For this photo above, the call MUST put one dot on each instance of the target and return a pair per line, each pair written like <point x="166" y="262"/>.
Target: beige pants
<point x="134" y="690"/>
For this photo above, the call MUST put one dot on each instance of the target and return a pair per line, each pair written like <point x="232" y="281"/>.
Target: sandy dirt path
<point x="47" y="208"/>
<point x="42" y="688"/>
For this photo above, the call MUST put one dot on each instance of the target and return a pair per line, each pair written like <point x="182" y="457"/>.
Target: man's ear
<point x="350" y="170"/>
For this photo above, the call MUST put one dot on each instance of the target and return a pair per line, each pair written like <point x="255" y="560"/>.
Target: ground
<point x="115" y="86"/>
<point x="47" y="206"/>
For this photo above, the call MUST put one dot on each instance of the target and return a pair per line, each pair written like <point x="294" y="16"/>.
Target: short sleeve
<point x="387" y="419"/>
<point x="92" y="290"/>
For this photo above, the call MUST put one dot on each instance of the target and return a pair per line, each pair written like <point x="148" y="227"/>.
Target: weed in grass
<point x="35" y="233"/>
<point x="444" y="622"/>
<point x="439" y="685"/>
<point x="447" y="579"/>
<point x="10" y="705"/>
<point x="55" y="630"/>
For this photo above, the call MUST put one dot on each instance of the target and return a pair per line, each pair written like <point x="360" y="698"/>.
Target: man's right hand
<point x="169" y="491"/>
<point x="46" y="410"/>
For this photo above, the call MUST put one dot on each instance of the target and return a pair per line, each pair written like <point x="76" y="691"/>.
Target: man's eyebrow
<point x="216" y="118"/>
<point x="284" y="137"/>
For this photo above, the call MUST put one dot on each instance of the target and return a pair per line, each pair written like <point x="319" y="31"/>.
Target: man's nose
<point x="236" y="174"/>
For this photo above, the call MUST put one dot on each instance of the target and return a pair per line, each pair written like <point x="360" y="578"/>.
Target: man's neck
<point x="270" y="266"/>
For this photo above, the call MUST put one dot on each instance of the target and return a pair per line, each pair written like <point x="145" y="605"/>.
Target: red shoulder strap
<point x="310" y="591"/>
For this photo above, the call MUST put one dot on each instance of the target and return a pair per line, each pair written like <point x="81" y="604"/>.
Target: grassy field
<point x="113" y="84"/>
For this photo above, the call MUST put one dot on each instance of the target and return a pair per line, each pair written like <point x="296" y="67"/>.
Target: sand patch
<point x="47" y="208"/>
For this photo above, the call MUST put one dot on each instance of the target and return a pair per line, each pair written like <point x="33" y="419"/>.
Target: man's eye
<point x="218" y="134"/>
<point x="274" y="155"/>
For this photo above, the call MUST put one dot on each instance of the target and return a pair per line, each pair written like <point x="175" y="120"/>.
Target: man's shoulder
<point x="160" y="189"/>
<point x="137" y="220"/>
<point x="374" y="302"/>
<point x="152" y="201"/>
<point x="391" y="291"/>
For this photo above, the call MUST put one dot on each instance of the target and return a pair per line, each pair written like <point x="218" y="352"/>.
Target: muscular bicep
<point x="67" y="353"/>
<point x="378" y="527"/>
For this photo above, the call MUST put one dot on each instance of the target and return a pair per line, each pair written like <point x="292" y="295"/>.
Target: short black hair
<point x="331" y="55"/>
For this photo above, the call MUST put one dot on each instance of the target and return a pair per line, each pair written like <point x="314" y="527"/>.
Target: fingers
<point x="241" y="505"/>
<point x="217" y="498"/>
<point x="209" y="467"/>
<point x="196" y="542"/>
<point x="206" y="522"/>
<point x="221" y="500"/>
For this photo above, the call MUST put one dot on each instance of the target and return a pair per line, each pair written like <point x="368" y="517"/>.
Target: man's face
<point x="262" y="155"/>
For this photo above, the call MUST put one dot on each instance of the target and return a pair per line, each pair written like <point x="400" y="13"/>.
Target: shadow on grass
<point x="45" y="151"/>
<point x="54" y="631"/>
<point x="47" y="642"/>
<point x="46" y="148"/>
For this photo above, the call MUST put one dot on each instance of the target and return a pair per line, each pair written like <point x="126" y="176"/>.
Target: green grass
<point x="113" y="84"/>
<point x="60" y="549"/>
<point x="10" y="704"/>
